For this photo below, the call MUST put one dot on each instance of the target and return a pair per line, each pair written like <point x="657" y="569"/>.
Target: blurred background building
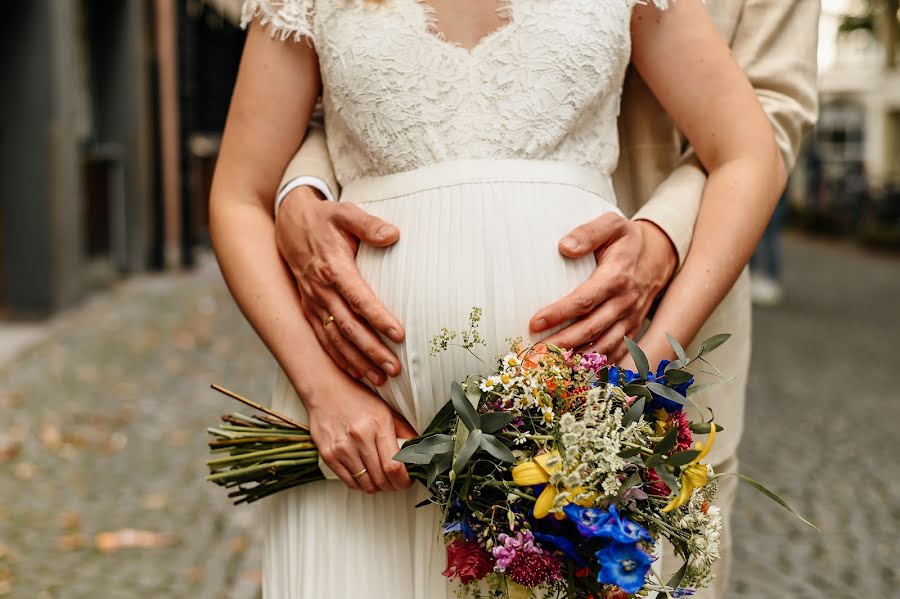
<point x="113" y="109"/>
<point x="111" y="115"/>
<point x="849" y="179"/>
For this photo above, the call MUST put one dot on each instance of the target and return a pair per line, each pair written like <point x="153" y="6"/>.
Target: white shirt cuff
<point x="293" y="184"/>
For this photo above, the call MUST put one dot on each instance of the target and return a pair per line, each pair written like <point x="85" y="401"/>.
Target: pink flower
<point x="467" y="560"/>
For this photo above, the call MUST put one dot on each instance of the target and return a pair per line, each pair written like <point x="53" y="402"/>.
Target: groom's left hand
<point x="635" y="260"/>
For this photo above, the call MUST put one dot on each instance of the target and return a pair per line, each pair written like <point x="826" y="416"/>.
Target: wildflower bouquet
<point x="557" y="475"/>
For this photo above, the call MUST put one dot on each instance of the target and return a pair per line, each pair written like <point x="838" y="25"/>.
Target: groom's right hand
<point x="319" y="240"/>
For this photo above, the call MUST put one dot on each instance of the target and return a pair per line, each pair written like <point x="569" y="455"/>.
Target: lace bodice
<point x="544" y="86"/>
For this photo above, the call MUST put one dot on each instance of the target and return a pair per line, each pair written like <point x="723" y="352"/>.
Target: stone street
<point x="101" y="431"/>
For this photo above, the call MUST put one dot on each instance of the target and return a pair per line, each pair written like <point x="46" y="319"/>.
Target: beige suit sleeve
<point x="312" y="160"/>
<point x="775" y="42"/>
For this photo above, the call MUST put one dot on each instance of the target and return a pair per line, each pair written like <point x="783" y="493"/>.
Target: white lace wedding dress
<point x="484" y="159"/>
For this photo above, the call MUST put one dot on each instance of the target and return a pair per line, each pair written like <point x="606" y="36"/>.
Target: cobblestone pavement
<point x="101" y="430"/>
<point x="822" y="429"/>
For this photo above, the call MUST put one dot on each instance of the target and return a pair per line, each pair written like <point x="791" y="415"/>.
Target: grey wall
<point x="25" y="171"/>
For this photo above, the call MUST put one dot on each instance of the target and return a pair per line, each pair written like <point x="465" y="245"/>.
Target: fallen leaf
<point x="51" y="436"/>
<point x="11" y="400"/>
<point x="155" y="501"/>
<point x="71" y="542"/>
<point x="9" y="448"/>
<point x="25" y="470"/>
<point x="114" y="443"/>
<point x="69" y="520"/>
<point x="130" y="538"/>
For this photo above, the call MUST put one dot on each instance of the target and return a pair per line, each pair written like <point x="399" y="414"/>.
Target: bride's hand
<point x="356" y="431"/>
<point x="319" y="240"/>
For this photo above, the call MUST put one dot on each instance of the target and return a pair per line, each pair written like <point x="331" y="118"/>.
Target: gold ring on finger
<point x="360" y="473"/>
<point x="328" y="321"/>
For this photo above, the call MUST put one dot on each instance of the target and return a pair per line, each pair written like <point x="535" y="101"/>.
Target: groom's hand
<point x="635" y="260"/>
<point x="319" y="241"/>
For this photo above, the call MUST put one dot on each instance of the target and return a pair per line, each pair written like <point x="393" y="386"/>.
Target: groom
<point x="658" y="183"/>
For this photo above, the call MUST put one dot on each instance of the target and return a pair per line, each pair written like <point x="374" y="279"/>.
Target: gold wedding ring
<point x="360" y="473"/>
<point x="328" y="321"/>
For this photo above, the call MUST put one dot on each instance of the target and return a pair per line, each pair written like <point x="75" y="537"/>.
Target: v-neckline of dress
<point x="428" y="27"/>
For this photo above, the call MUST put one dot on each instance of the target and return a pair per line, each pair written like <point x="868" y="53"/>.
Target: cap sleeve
<point x="284" y="18"/>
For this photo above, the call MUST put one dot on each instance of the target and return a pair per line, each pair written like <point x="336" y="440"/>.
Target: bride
<point x="484" y="130"/>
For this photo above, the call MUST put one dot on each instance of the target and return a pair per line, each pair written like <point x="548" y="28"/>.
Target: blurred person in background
<point x="766" y="263"/>
<point x="775" y="42"/>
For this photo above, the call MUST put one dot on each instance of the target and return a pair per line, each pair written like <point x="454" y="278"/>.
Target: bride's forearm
<point x="737" y="202"/>
<point x="244" y="241"/>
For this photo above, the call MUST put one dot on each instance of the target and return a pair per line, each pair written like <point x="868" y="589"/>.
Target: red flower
<point x="653" y="484"/>
<point x="615" y="593"/>
<point x="685" y="436"/>
<point x="533" y="569"/>
<point x="467" y="560"/>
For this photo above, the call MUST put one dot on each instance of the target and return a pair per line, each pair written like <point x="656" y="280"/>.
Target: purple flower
<point x="593" y="522"/>
<point x="624" y="565"/>
<point x="594" y="362"/>
<point x="511" y="546"/>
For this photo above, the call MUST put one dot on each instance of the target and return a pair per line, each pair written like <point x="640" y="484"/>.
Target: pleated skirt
<point x="473" y="234"/>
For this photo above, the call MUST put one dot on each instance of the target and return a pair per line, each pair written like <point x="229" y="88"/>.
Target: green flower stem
<point x="258" y="454"/>
<point x="266" y="467"/>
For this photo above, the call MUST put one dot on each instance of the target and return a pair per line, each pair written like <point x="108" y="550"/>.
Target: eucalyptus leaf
<point x="681" y="458"/>
<point x="409" y="455"/>
<point x="633" y="390"/>
<point x="434" y="445"/>
<point x="667" y="443"/>
<point x="676" y="376"/>
<point x="679" y="351"/>
<point x="442" y="420"/>
<point x="773" y="496"/>
<point x="434" y="470"/>
<point x="468" y="450"/>
<point x="493" y="446"/>
<point x="675" y="365"/>
<point x="464" y="408"/>
<point x="667" y="392"/>
<point x="491" y="423"/>
<point x="713" y="342"/>
<point x="639" y="357"/>
<point x="631" y="451"/>
<point x="674" y="581"/>
<point x="667" y="477"/>
<point x="636" y="410"/>
<point x="653" y="461"/>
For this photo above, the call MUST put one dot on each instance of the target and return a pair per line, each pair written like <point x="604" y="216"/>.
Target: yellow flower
<point x="538" y="472"/>
<point x="694" y="474"/>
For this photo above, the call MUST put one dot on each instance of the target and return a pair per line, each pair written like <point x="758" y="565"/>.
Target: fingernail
<point x="373" y="377"/>
<point x="384" y="231"/>
<point x="540" y="324"/>
<point x="394" y="335"/>
<point x="389" y="368"/>
<point x="569" y="243"/>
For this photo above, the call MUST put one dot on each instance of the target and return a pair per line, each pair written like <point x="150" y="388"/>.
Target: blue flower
<point x="616" y="377"/>
<point x="624" y="565"/>
<point x="661" y="403"/>
<point x="562" y="544"/>
<point x="592" y="522"/>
